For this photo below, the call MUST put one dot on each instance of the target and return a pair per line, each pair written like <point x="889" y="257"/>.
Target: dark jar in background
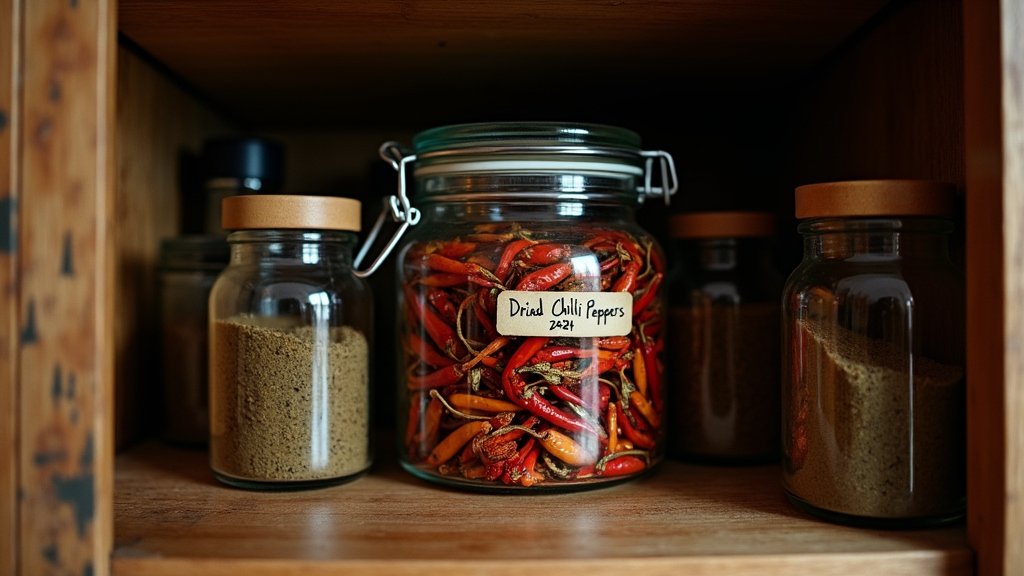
<point x="873" y="381"/>
<point x="234" y="165"/>
<point x="188" y="267"/>
<point x="531" y="309"/>
<point x="725" y="321"/>
<point x="290" y="326"/>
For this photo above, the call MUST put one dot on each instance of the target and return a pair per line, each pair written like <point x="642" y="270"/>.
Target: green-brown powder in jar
<point x="288" y="407"/>
<point x="884" y="437"/>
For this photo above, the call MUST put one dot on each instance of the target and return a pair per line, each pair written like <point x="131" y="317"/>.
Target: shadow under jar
<point x="873" y="367"/>
<point x="289" y="355"/>
<point x="530" y="306"/>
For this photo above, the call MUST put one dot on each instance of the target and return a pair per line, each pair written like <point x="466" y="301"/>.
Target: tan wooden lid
<point x="722" y="225"/>
<point x="875" y="198"/>
<point x="285" y="211"/>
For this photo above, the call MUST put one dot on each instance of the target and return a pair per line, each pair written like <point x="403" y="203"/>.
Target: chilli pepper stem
<point x="604" y="461"/>
<point x="454" y="410"/>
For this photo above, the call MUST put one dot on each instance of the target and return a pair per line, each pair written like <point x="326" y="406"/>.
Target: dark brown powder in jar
<point x="290" y="408"/>
<point x="883" y="440"/>
<point x="726" y="381"/>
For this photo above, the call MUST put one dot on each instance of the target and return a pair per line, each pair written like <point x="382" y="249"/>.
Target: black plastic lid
<point x="245" y="157"/>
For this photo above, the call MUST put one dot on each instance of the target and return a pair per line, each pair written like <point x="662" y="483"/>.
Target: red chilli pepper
<point x="440" y="332"/>
<point x="627" y="281"/>
<point x="437" y="379"/>
<point x="439" y="300"/>
<point x="622" y="466"/>
<point x="474" y="272"/>
<point x="456" y="248"/>
<point x="514" y="387"/>
<point x="546" y="277"/>
<point x="545" y="254"/>
<point x="426" y="351"/>
<point x="512" y="249"/>
<point x="650" y="355"/>
<point x="639" y="439"/>
<point x="641" y="303"/>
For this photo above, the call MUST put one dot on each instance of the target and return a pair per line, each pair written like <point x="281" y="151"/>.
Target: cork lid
<point x="285" y="211"/>
<point x="722" y="225"/>
<point x="875" y="198"/>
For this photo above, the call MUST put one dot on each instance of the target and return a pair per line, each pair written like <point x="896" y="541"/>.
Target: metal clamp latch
<point x="402" y="211"/>
<point x="669" y="181"/>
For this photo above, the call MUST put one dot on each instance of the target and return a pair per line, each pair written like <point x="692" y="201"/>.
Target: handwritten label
<point x="574" y="314"/>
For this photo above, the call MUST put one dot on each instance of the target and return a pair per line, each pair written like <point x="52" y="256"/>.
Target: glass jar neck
<point x="515" y="186"/>
<point x="881" y="238"/>
<point x="292" y="247"/>
<point x="528" y="210"/>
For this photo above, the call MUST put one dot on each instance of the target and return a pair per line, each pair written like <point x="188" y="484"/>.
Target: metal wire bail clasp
<point x="669" y="181"/>
<point x="402" y="211"/>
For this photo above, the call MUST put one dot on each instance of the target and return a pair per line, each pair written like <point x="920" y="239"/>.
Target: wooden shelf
<point x="351" y="63"/>
<point x="172" y="517"/>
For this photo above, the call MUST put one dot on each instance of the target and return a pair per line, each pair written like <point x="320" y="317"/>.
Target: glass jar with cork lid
<point x="290" y="324"/>
<point x="531" y="310"/>
<point x="873" y="367"/>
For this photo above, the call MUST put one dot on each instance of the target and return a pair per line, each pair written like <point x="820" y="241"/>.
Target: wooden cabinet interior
<point x="765" y="95"/>
<point x="808" y="94"/>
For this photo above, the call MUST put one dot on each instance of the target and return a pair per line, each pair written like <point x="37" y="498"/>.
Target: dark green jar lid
<point x="526" y="135"/>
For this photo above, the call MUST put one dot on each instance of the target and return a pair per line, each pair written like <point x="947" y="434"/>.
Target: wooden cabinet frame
<point x="58" y="219"/>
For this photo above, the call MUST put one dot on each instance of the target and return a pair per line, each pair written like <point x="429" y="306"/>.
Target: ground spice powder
<point x="882" y="441"/>
<point x="290" y="408"/>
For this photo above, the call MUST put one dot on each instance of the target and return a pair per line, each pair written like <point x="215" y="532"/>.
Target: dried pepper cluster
<point x="523" y="411"/>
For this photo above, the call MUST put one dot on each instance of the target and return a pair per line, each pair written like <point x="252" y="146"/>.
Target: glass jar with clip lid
<point x="531" y="313"/>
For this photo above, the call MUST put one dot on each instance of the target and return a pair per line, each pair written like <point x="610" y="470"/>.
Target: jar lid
<point x="272" y="211"/>
<point x="245" y="157"/>
<point x="722" y="225"/>
<point x="534" y="146"/>
<point x="875" y="198"/>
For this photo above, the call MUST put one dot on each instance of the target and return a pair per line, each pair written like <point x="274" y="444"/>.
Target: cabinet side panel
<point x="1013" y="261"/>
<point x="994" y="284"/>
<point x="9" y="40"/>
<point x="65" y="366"/>
<point x="160" y="129"/>
<point x="1013" y="113"/>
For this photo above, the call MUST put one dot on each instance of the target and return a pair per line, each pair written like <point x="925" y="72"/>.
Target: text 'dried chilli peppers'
<point x="532" y="360"/>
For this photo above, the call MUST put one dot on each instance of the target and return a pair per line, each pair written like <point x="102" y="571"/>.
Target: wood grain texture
<point x="888" y="104"/>
<point x="10" y="31"/>
<point x="398" y="63"/>
<point x="1012" y="26"/>
<point x="65" y="324"/>
<point x="173" y="517"/>
<point x="160" y="130"/>
<point x="994" y="89"/>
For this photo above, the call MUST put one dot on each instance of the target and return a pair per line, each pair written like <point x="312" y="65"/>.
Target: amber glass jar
<point x="530" y="306"/>
<point x="873" y="373"/>
<point x="289" y="355"/>
<point x="724" y="308"/>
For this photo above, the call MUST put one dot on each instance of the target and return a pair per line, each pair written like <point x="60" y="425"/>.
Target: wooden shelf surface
<point x="172" y="517"/>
